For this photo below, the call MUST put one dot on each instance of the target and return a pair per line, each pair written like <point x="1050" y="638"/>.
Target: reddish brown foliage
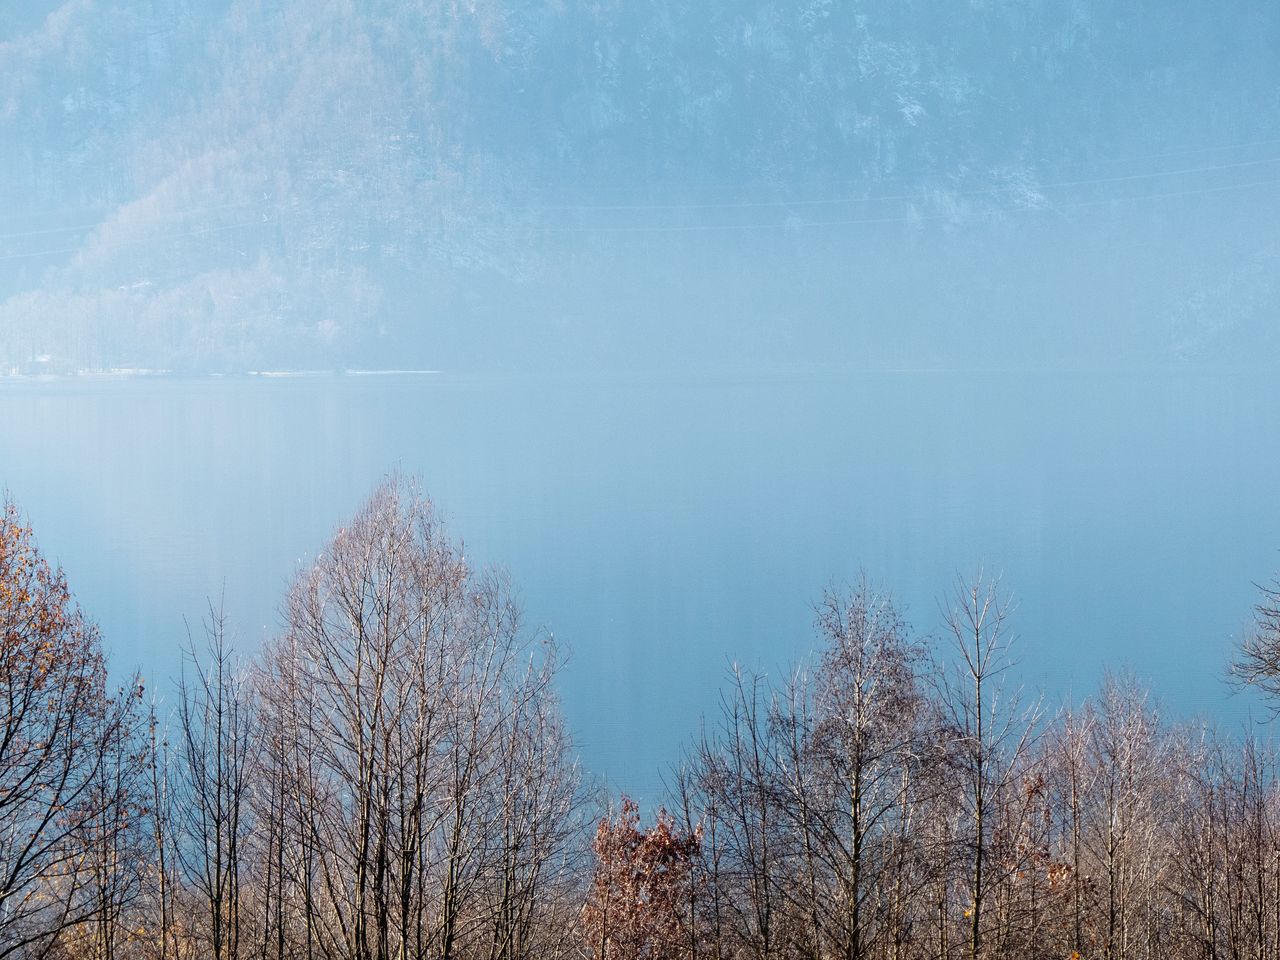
<point x="640" y="895"/>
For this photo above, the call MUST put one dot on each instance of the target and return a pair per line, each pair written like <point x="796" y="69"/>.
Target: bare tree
<point x="1128" y="759"/>
<point x="1258" y="658"/>
<point x="534" y="823"/>
<point x="60" y="729"/>
<point x="807" y="791"/>
<point x="220" y="745"/>
<point x="116" y="840"/>
<point x="1070" y="778"/>
<point x="988" y="736"/>
<point x="866" y="708"/>
<point x="391" y="778"/>
<point x="736" y="774"/>
<point x="164" y="880"/>
<point x="424" y="794"/>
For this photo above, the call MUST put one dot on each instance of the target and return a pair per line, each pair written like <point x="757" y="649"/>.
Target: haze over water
<point x="729" y="300"/>
<point x="664" y="526"/>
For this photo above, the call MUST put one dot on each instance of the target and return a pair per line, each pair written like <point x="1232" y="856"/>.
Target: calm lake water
<point x="665" y="527"/>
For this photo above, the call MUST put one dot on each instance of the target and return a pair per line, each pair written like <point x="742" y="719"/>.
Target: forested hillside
<point x="249" y="184"/>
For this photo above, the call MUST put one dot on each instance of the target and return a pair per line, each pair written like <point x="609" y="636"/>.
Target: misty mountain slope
<point x="256" y="184"/>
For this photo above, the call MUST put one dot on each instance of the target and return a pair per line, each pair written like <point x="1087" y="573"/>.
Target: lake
<point x="664" y="526"/>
